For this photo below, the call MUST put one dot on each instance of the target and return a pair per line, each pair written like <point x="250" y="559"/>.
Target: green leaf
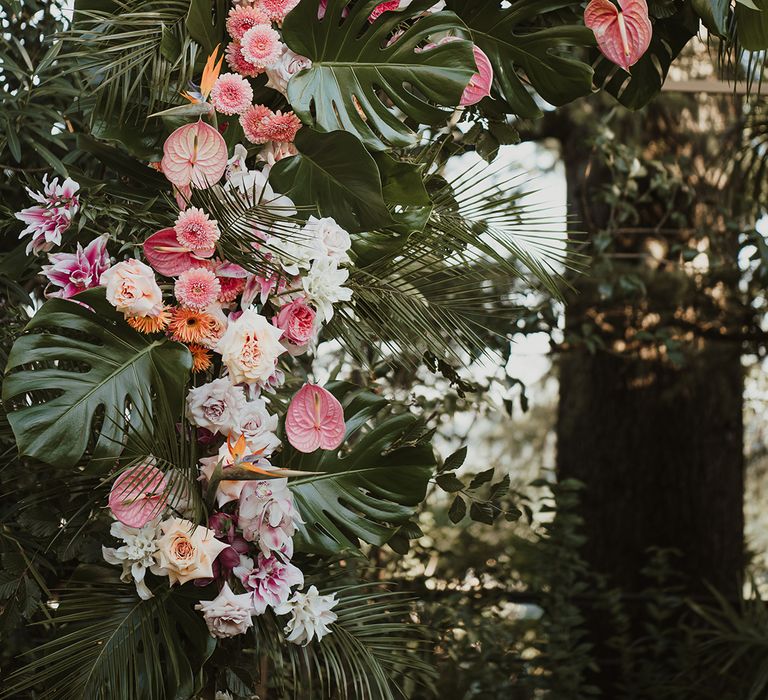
<point x="355" y="68"/>
<point x="78" y="362"/>
<point x="449" y="483"/>
<point x="482" y="513"/>
<point x="752" y="26"/>
<point x="113" y="645"/>
<point x="334" y="173"/>
<point x="513" y="41"/>
<point x="482" y="478"/>
<point x="500" y="488"/>
<point x="454" y="461"/>
<point x="402" y="183"/>
<point x="205" y="27"/>
<point x="458" y="510"/>
<point x="367" y="492"/>
<point x="714" y="15"/>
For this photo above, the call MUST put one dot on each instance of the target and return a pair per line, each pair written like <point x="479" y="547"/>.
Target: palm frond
<point x="139" y="55"/>
<point x="113" y="645"/>
<point x="373" y="651"/>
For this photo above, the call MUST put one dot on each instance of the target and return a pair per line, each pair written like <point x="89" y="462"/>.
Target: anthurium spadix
<point x="623" y="34"/>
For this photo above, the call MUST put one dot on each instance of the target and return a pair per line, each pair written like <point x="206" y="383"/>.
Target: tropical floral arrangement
<point x="270" y="176"/>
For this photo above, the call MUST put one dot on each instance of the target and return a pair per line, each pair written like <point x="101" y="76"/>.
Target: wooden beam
<point x="718" y="87"/>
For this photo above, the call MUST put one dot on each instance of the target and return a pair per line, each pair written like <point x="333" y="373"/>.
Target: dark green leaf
<point x="356" y="69"/>
<point x="86" y="360"/>
<point x="454" y="461"/>
<point x="752" y="26"/>
<point x="482" y="478"/>
<point x="449" y="483"/>
<point x="458" y="510"/>
<point x="482" y="513"/>
<point x="205" y="27"/>
<point x="512" y="41"/>
<point x="334" y="173"/>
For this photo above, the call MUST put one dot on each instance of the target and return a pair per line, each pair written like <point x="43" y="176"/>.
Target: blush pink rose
<point x="297" y="321"/>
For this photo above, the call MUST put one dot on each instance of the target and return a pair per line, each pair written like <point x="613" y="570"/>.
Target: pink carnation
<point x="231" y="94"/>
<point x="261" y="45"/>
<point x="241" y="19"/>
<point x="281" y="127"/>
<point x="277" y="9"/>
<point x="253" y="121"/>
<point x="239" y="63"/>
<point x="197" y="288"/>
<point x="195" y="231"/>
<point x="75" y="272"/>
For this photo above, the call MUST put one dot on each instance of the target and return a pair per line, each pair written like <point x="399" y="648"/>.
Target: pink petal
<point x="623" y="36"/>
<point x="165" y="255"/>
<point x="194" y="154"/>
<point x="480" y="83"/>
<point x="138" y="495"/>
<point x="315" y="419"/>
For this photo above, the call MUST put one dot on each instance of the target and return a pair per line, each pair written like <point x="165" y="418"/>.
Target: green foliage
<point x="353" y="67"/>
<point x="366" y="491"/>
<point x="516" y="42"/>
<point x="76" y="374"/>
<point x="334" y="173"/>
<point x="112" y="645"/>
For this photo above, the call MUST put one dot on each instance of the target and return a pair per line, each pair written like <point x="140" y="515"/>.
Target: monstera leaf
<point x="361" y="76"/>
<point x="367" y="492"/>
<point x="75" y="373"/>
<point x="334" y="173"/>
<point x="514" y="41"/>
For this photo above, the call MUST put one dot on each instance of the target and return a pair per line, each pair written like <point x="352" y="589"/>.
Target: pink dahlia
<point x="241" y="19"/>
<point x="231" y="94"/>
<point x="261" y="45"/>
<point x="281" y="127"/>
<point x="75" y="272"/>
<point x="276" y="10"/>
<point x="197" y="288"/>
<point x="379" y="10"/>
<point x="197" y="232"/>
<point x="253" y="121"/>
<point x="239" y="63"/>
<point x="47" y="220"/>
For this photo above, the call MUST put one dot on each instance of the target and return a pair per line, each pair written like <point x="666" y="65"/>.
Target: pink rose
<point x="297" y="321"/>
<point x="132" y="289"/>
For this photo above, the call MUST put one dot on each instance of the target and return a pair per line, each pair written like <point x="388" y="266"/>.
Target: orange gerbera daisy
<point x="150" y="324"/>
<point x="190" y="326"/>
<point x="201" y="358"/>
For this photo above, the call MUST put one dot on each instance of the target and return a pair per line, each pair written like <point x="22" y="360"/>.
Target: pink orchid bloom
<point x="78" y="271"/>
<point x="52" y="216"/>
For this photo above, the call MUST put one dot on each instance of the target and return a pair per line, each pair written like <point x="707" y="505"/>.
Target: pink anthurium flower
<point x="480" y="83"/>
<point x="138" y="495"/>
<point x="166" y="256"/>
<point x="194" y="154"/>
<point x="315" y="419"/>
<point x="622" y="35"/>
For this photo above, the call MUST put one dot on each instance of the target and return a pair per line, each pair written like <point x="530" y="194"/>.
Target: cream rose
<point x="250" y="347"/>
<point x="132" y="289"/>
<point x="227" y="614"/>
<point x="286" y="67"/>
<point x="186" y="551"/>
<point x="216" y="405"/>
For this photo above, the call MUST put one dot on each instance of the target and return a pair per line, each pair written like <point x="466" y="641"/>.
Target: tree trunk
<point x="650" y="413"/>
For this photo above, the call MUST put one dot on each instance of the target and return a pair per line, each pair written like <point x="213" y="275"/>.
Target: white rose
<point x="258" y="427"/>
<point x="216" y="405"/>
<point x="228" y="614"/>
<point x="250" y="347"/>
<point x="132" y="289"/>
<point x="286" y="67"/>
<point x="334" y="240"/>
